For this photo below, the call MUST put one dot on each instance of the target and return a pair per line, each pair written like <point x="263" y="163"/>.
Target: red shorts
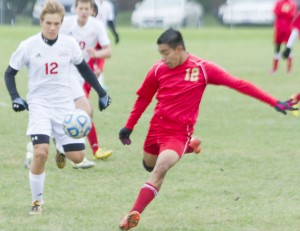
<point x="164" y="134"/>
<point x="282" y="36"/>
<point x="100" y="63"/>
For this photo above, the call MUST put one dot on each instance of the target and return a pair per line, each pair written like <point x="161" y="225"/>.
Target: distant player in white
<point x="87" y="31"/>
<point x="49" y="58"/>
<point x="106" y="14"/>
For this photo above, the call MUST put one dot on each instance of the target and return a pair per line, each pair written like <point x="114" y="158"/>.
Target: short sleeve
<point x="102" y="37"/>
<point x="110" y="11"/>
<point x="19" y="57"/>
<point x="77" y="53"/>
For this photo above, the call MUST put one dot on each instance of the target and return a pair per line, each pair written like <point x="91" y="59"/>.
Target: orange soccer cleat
<point x="130" y="220"/>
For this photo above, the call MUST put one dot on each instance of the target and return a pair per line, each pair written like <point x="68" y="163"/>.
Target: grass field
<point x="246" y="178"/>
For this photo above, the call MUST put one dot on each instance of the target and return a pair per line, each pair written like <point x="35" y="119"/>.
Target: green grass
<point x="246" y="178"/>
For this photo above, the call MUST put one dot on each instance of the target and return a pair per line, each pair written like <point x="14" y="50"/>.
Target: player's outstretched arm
<point x="88" y="75"/>
<point x="18" y="104"/>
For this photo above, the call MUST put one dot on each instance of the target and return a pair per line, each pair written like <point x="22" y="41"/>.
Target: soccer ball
<point x="77" y="124"/>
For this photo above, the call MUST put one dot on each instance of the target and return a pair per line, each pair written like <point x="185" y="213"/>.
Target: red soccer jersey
<point x="284" y="11"/>
<point x="179" y="91"/>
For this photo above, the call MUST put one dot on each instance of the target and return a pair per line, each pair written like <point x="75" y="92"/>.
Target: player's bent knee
<point x="76" y="156"/>
<point x="75" y="152"/>
<point x="149" y="169"/>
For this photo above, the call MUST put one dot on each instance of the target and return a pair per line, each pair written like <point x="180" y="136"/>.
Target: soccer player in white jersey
<point x="87" y="31"/>
<point x="48" y="58"/>
<point x="106" y="14"/>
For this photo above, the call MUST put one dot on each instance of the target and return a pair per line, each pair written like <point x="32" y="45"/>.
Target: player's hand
<point x="286" y="53"/>
<point x="18" y="104"/>
<point x="285" y="106"/>
<point x="124" y="136"/>
<point x="104" y="102"/>
<point x="91" y="52"/>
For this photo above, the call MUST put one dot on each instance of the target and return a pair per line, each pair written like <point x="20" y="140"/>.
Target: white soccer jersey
<point x="105" y="11"/>
<point x="48" y="68"/>
<point x="88" y="35"/>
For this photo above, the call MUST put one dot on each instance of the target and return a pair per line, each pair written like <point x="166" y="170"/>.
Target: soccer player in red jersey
<point x="178" y="80"/>
<point x="284" y="12"/>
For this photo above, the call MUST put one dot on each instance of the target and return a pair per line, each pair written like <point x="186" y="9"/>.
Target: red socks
<point x="146" y="195"/>
<point x="93" y="139"/>
<point x="289" y="64"/>
<point x="275" y="65"/>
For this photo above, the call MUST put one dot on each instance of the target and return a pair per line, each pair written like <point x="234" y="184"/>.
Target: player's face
<point x="83" y="10"/>
<point x="50" y="26"/>
<point x="171" y="57"/>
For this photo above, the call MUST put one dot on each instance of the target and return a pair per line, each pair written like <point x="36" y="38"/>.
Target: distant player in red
<point x="178" y="81"/>
<point x="293" y="36"/>
<point x="284" y="12"/>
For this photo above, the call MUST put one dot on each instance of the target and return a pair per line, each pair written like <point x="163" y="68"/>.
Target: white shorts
<point x="76" y="84"/>
<point x="45" y="120"/>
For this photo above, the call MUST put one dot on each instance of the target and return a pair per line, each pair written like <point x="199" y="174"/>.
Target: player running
<point x="49" y="57"/>
<point x="88" y="32"/>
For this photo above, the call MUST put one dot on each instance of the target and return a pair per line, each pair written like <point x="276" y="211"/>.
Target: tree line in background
<point x="9" y="9"/>
<point x="25" y="6"/>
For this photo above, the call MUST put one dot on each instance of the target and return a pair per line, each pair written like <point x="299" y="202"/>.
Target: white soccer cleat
<point x="29" y="155"/>
<point x="84" y="164"/>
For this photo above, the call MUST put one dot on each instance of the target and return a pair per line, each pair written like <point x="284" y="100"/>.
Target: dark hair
<point x="171" y="37"/>
<point x="95" y="8"/>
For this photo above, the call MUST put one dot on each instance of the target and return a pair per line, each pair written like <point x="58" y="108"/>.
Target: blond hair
<point x="52" y="7"/>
